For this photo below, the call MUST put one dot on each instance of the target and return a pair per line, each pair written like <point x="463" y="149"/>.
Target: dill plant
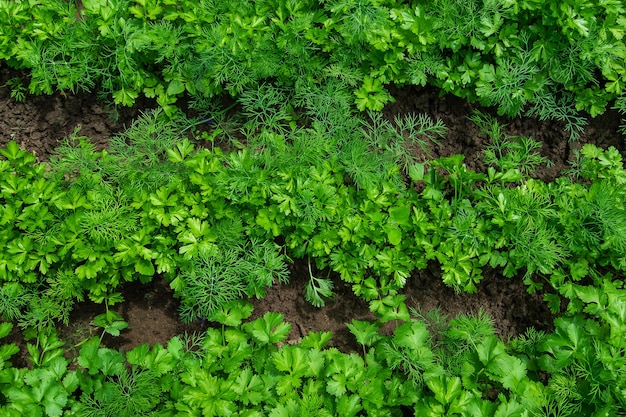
<point x="76" y="160"/>
<point x="267" y="107"/>
<point x="110" y="216"/>
<point x="547" y="106"/>
<point x="18" y="89"/>
<point x="212" y="280"/>
<point x="137" y="159"/>
<point x="460" y="336"/>
<point x="365" y="167"/>
<point x="506" y="84"/>
<point x="209" y="283"/>
<point x="14" y="298"/>
<point x="45" y="312"/>
<point x="420" y="131"/>
<point x="508" y="152"/>
<point x="401" y="138"/>
<point x="129" y="393"/>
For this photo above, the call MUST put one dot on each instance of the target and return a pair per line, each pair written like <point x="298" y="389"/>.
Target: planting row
<point x="428" y="367"/>
<point x="521" y="56"/>
<point x="221" y="226"/>
<point x="347" y="194"/>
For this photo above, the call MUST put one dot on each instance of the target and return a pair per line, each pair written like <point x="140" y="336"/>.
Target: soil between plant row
<point x="40" y="122"/>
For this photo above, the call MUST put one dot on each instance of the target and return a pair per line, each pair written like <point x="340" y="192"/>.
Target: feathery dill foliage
<point x="135" y="161"/>
<point x="325" y="129"/>
<point x="211" y="280"/>
<point x="137" y="158"/>
<point x="435" y="320"/>
<point x="505" y="85"/>
<point x="327" y="109"/>
<point x="537" y="248"/>
<point x="129" y="393"/>
<point x="76" y="160"/>
<point x="462" y="23"/>
<point x="44" y="312"/>
<point x="508" y="152"/>
<point x="44" y="306"/>
<point x="411" y="350"/>
<point x="529" y="342"/>
<point x="110" y="216"/>
<point x="461" y="336"/>
<point x="419" y="130"/>
<point x="267" y="107"/>
<point x="14" y="298"/>
<point x="467" y="226"/>
<point x="423" y="65"/>
<point x="384" y="145"/>
<point x="547" y="106"/>
<point x="63" y="287"/>
<point x="620" y="105"/>
<point x="365" y="167"/>
<point x="595" y="226"/>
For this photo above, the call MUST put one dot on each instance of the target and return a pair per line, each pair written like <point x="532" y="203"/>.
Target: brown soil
<point x="39" y="123"/>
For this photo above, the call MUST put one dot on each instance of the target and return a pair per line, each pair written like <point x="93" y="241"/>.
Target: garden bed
<point x="39" y="123"/>
<point x="278" y="208"/>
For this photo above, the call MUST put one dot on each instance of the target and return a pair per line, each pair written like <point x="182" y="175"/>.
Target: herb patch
<point x="226" y="204"/>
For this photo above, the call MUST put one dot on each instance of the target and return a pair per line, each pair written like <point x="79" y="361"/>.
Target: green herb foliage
<point x="431" y="366"/>
<point x="522" y="57"/>
<point x="209" y="222"/>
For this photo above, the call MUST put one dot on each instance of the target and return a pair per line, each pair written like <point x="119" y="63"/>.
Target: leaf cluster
<point x="208" y="221"/>
<point x="551" y="62"/>
<point x="458" y="366"/>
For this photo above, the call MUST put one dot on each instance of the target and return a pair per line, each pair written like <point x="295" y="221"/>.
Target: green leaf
<point x="349" y="405"/>
<point x="269" y="329"/>
<point x="512" y="371"/>
<point x="250" y="388"/>
<point x="183" y="149"/>
<point x="144" y="267"/>
<point x="293" y="360"/>
<point x="12" y="151"/>
<point x="232" y="313"/>
<point x="175" y="87"/>
<point x="111" y="322"/>
<point x="114" y="328"/>
<point x="317" y="360"/>
<point x="5" y="329"/>
<point x="391" y="307"/>
<point x="94" y="6"/>
<point x="96" y="359"/>
<point x="138" y="354"/>
<point x="6" y="351"/>
<point x="488" y="350"/>
<point x="399" y="215"/>
<point x="366" y="332"/>
<point x="412" y="335"/>
<point x="510" y="408"/>
<point x="54" y="397"/>
<point x="445" y="389"/>
<point x="316" y="340"/>
<point x="125" y="97"/>
<point x="317" y="289"/>
<point x="372" y="95"/>
<point x="270" y="219"/>
<point x="394" y="234"/>
<point x="416" y="172"/>
<point x="71" y="382"/>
